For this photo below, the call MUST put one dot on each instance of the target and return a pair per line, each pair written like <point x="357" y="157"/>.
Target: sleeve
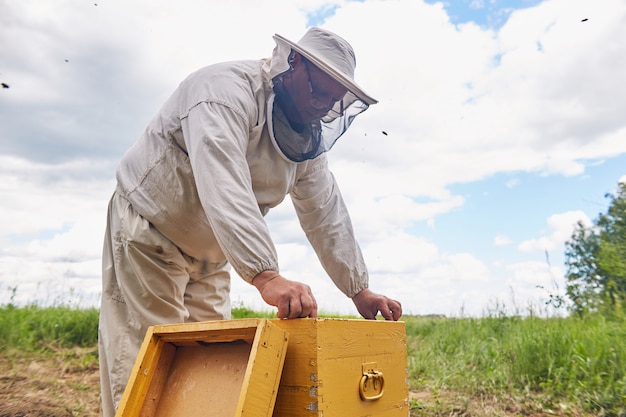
<point x="216" y="137"/>
<point x="325" y="220"/>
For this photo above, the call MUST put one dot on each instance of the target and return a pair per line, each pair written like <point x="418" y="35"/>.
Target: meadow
<point x="495" y="365"/>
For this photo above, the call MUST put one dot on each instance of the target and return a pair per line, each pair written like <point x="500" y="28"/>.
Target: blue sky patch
<point x="486" y="13"/>
<point x="318" y="17"/>
<point x="509" y="201"/>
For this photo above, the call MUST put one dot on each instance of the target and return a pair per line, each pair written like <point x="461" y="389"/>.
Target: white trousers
<point x="147" y="280"/>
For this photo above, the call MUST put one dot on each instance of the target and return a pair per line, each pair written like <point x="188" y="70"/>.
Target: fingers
<point x="293" y="308"/>
<point x="369" y="314"/>
<point x="391" y="309"/>
<point x="302" y="306"/>
<point x="369" y="304"/>
<point x="396" y="309"/>
<point x="386" y="312"/>
<point x="293" y="299"/>
<point x="283" y="308"/>
<point x="308" y="305"/>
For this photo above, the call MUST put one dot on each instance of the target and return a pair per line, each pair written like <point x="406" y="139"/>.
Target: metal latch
<point x="372" y="382"/>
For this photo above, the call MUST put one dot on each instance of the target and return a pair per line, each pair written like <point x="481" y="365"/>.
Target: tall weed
<point x="581" y="360"/>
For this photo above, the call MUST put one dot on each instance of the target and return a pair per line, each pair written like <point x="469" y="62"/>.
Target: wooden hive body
<point x="326" y="364"/>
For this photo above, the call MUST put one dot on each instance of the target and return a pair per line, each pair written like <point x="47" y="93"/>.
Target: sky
<point x="500" y="125"/>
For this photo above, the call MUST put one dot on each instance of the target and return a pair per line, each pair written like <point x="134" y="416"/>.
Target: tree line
<point x="595" y="260"/>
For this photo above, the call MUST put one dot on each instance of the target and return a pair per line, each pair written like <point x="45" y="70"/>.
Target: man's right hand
<point x="293" y="299"/>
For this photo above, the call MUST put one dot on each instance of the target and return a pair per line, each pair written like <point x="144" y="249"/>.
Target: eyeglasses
<point x="319" y="101"/>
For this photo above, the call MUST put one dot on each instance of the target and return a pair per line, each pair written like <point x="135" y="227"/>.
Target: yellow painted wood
<point x="264" y="370"/>
<point x="210" y="369"/>
<point x="209" y="331"/>
<point x="156" y="386"/>
<point x="141" y="376"/>
<point x="325" y="363"/>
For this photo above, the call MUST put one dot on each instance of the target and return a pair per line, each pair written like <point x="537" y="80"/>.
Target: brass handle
<point x="371" y="381"/>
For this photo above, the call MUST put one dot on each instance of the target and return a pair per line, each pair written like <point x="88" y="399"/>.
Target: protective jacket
<point x="206" y="170"/>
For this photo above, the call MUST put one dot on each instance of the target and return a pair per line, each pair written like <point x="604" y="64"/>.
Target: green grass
<point x="551" y="361"/>
<point x="546" y="363"/>
<point x="33" y="327"/>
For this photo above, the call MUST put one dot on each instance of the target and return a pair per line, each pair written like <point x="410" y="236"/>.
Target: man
<point x="230" y="143"/>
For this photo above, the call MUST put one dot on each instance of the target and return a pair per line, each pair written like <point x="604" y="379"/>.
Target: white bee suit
<point x="190" y="201"/>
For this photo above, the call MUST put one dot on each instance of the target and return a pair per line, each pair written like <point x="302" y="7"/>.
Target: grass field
<point x="488" y="366"/>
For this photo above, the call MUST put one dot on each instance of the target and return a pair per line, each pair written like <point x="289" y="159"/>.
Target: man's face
<point x="313" y="92"/>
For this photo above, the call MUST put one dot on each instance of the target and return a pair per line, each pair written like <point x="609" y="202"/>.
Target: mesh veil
<point x="310" y="140"/>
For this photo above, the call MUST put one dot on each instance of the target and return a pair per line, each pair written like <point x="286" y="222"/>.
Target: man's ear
<point x="294" y="58"/>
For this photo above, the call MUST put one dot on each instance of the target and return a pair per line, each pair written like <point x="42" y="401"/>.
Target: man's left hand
<point x="369" y="303"/>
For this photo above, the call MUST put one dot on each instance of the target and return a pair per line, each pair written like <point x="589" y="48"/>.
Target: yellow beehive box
<point x="211" y="369"/>
<point x="343" y="368"/>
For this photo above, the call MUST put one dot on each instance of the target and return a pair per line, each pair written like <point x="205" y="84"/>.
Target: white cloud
<point x="501" y="240"/>
<point x="460" y="103"/>
<point x="532" y="284"/>
<point x="46" y="198"/>
<point x="400" y="253"/>
<point x="485" y="102"/>
<point x="513" y="183"/>
<point x="560" y="229"/>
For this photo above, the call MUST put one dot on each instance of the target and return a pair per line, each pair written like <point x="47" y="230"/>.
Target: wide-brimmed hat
<point x="332" y="54"/>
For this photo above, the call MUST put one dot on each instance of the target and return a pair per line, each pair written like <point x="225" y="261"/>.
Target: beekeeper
<point x="230" y="143"/>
